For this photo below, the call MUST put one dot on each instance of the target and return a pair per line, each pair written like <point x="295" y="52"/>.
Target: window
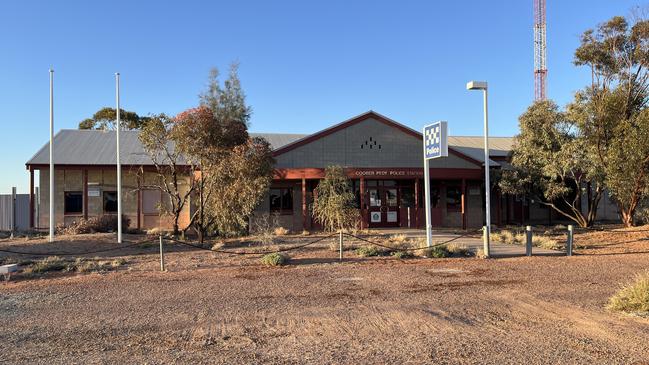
<point x="110" y="202"/>
<point x="453" y="198"/>
<point x="281" y="200"/>
<point x="407" y="197"/>
<point x="73" y="203"/>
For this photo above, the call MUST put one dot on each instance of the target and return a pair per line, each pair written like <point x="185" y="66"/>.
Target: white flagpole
<point x="51" y="155"/>
<point x="119" y="166"/>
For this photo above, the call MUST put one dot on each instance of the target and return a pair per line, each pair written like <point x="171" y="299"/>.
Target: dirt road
<point x="376" y="311"/>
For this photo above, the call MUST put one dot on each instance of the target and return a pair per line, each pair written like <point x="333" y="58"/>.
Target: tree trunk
<point x="627" y="217"/>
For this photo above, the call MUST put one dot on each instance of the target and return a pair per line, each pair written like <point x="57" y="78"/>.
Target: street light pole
<point x="51" y="172"/>
<point x="482" y="85"/>
<point x="119" y="164"/>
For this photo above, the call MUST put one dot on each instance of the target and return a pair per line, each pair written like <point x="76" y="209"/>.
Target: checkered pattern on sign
<point x="433" y="135"/>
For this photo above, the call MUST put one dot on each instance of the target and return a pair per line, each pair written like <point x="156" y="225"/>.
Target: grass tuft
<point x="457" y="249"/>
<point x="633" y="298"/>
<point x="280" y="231"/>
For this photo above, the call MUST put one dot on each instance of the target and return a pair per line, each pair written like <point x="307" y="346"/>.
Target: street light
<point x="482" y="85"/>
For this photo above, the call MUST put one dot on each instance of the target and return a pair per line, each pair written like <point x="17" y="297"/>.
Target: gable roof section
<point x="473" y="157"/>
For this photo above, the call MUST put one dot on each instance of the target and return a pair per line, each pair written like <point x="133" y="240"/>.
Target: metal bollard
<point x="13" y="211"/>
<point x="340" y="245"/>
<point x="485" y="241"/>
<point x="162" y="257"/>
<point x="570" y="240"/>
<point x="528" y="241"/>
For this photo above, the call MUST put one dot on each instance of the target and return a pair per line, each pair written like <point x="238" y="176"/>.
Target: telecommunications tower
<point x="540" y="65"/>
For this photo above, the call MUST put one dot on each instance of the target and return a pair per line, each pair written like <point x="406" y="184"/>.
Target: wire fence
<point x="218" y="250"/>
<point x="58" y="253"/>
<point x="393" y="248"/>
<point x="383" y="244"/>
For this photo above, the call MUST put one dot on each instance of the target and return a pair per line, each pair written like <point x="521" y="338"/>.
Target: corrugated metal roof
<point x="92" y="147"/>
<point x="473" y="146"/>
<point x="278" y="140"/>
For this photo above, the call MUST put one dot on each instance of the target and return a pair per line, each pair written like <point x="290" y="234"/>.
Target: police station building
<point x="383" y="159"/>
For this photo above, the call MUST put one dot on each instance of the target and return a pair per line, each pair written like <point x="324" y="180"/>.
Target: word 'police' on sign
<point x="436" y="140"/>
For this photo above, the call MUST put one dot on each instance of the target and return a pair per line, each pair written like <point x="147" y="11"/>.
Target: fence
<point x="7" y="212"/>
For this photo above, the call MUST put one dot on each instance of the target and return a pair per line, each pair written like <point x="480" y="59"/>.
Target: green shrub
<point x="368" y="251"/>
<point x="274" y="259"/>
<point x="633" y="298"/>
<point x="435" y="252"/>
<point x="402" y="254"/>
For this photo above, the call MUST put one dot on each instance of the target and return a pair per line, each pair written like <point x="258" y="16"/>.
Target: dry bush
<point x="480" y="253"/>
<point x="398" y="238"/>
<point x="100" y="224"/>
<point x="280" y="231"/>
<point x="457" y="249"/>
<point x="51" y="263"/>
<point x="156" y="231"/>
<point x="55" y="263"/>
<point x="545" y="242"/>
<point x="504" y="236"/>
<point x="633" y="298"/>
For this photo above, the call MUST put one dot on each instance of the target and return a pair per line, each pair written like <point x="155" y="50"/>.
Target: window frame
<point x="65" y="203"/>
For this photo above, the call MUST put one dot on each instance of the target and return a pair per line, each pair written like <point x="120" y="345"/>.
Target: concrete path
<point x="474" y="243"/>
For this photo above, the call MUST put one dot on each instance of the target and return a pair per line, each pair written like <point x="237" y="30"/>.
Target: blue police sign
<point x="435" y="140"/>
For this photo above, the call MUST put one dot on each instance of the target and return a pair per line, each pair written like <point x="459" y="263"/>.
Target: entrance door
<point x="384" y="206"/>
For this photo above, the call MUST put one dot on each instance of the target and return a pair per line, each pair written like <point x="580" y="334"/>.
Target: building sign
<point x="435" y="140"/>
<point x="392" y="217"/>
<point x="375" y="217"/>
<point x="94" y="192"/>
<point x="388" y="173"/>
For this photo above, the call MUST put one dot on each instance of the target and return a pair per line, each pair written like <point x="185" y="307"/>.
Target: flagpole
<point x="51" y="155"/>
<point x="119" y="166"/>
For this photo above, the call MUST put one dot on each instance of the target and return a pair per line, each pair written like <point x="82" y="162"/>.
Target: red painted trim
<point x="304" y="210"/>
<point x="380" y="173"/>
<point x="463" y="203"/>
<point x="147" y="168"/>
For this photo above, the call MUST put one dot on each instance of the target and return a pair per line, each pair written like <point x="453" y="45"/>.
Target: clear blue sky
<point x="304" y="64"/>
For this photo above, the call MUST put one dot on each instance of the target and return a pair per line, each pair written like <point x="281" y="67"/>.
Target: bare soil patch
<point x="221" y="308"/>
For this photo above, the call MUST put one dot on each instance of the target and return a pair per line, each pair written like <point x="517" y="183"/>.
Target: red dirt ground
<point x="216" y="308"/>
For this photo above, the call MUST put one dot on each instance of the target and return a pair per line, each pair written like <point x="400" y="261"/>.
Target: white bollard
<point x="570" y="240"/>
<point x="162" y="257"/>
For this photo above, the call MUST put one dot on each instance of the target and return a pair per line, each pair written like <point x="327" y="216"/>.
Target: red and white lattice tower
<point x="540" y="65"/>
